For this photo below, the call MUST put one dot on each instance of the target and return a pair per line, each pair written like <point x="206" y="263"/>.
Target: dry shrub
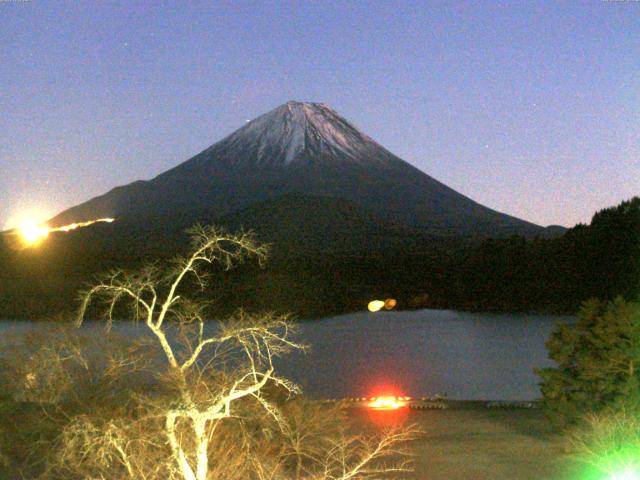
<point x="609" y="441"/>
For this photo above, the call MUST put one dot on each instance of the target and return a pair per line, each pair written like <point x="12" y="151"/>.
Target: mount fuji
<point x="347" y="219"/>
<point x="306" y="152"/>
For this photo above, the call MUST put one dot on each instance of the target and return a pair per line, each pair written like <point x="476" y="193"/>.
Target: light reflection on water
<point x="464" y="355"/>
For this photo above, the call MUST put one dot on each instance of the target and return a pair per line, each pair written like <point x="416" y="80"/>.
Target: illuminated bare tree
<point x="211" y="377"/>
<point x="156" y="300"/>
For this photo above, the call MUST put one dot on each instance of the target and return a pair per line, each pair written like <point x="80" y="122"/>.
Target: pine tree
<point x="597" y="361"/>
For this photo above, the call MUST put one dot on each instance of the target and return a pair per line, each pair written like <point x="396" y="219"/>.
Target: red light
<point x="386" y="403"/>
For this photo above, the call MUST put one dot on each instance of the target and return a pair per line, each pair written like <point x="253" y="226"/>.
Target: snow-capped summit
<point x="295" y="127"/>
<point x="302" y="149"/>
<point x="295" y="132"/>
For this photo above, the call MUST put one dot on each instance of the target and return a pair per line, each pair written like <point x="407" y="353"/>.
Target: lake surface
<point x="463" y="355"/>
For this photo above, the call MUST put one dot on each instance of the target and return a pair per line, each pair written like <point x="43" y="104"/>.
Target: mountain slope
<point x="304" y="148"/>
<point x="304" y="225"/>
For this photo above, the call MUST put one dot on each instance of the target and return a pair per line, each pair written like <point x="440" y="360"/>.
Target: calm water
<point x="465" y="355"/>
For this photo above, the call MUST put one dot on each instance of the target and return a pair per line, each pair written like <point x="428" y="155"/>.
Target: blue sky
<point x="531" y="108"/>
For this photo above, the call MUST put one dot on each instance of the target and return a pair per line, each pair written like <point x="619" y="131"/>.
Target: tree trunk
<point x="202" y="445"/>
<point x="178" y="454"/>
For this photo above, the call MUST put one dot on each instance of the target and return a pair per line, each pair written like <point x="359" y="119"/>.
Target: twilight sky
<point x="530" y="108"/>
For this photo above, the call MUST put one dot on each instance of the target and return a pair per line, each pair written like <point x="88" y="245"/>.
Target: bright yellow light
<point x="375" y="305"/>
<point x="32" y="233"/>
<point x="386" y="403"/>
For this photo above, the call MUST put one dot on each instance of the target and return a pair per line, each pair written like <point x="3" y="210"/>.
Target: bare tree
<point x="320" y="445"/>
<point x="53" y="378"/>
<point x="211" y="379"/>
<point x="156" y="300"/>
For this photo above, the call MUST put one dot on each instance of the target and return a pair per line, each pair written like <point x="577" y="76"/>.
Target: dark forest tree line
<point x="550" y="275"/>
<point x="599" y="260"/>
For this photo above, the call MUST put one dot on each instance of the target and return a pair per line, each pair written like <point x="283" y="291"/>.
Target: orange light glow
<point x="73" y="226"/>
<point x="386" y="403"/>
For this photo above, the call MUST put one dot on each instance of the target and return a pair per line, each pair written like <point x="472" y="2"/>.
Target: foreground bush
<point x="609" y="442"/>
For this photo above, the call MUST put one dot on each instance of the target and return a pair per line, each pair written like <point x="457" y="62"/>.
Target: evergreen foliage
<point x="600" y="260"/>
<point x="514" y="274"/>
<point x="597" y="362"/>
